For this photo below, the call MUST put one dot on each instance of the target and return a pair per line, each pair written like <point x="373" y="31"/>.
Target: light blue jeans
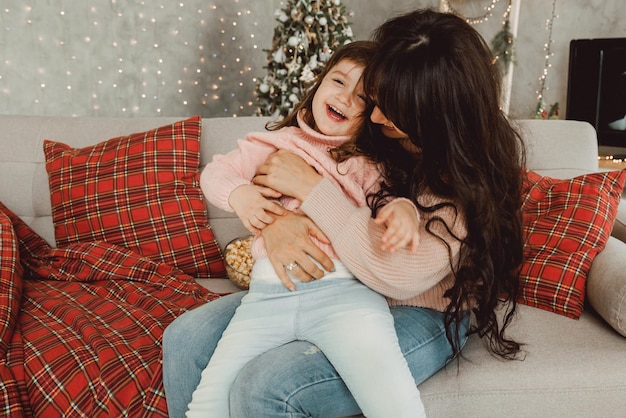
<point x="295" y="379"/>
<point x="348" y="321"/>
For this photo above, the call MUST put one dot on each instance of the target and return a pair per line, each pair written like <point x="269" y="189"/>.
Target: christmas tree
<point x="307" y="34"/>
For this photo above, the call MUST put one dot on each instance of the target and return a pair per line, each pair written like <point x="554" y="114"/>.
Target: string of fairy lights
<point x="502" y="45"/>
<point x="449" y="8"/>
<point x="108" y="57"/>
<point x="148" y="57"/>
<point x="540" y="110"/>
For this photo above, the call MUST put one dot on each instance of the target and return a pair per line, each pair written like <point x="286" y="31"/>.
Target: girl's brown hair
<point x="358" y="52"/>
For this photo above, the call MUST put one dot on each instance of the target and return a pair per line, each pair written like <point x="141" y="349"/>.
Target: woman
<point x="438" y="131"/>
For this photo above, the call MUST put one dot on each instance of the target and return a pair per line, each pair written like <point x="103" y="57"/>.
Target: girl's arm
<point x="253" y="205"/>
<point x="227" y="172"/>
<point x="225" y="182"/>
<point x="401" y="220"/>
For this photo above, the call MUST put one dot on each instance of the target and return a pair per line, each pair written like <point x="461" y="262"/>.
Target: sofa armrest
<point x="606" y="284"/>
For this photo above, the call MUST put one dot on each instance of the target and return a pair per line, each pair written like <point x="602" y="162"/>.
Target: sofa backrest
<point x="560" y="148"/>
<point x="556" y="148"/>
<point x="24" y="181"/>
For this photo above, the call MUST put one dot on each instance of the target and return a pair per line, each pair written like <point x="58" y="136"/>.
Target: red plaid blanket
<point x="81" y="326"/>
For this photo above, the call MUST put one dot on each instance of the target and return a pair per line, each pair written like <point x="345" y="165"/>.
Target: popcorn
<point x="239" y="261"/>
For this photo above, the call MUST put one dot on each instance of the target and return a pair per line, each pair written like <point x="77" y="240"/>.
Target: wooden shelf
<point x="607" y="162"/>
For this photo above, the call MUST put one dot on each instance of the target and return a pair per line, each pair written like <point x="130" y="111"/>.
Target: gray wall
<point x="146" y="58"/>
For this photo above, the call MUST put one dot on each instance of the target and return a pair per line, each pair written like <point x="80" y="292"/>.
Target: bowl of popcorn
<point x="239" y="261"/>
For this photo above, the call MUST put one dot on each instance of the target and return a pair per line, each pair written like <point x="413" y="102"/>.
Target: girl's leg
<point x="297" y="380"/>
<point x="261" y="322"/>
<point x="188" y="344"/>
<point x="352" y="326"/>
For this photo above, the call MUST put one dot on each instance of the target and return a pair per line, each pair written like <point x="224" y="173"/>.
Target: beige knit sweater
<point x="404" y="277"/>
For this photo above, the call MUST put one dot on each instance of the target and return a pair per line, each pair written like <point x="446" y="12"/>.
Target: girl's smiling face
<point x="339" y="101"/>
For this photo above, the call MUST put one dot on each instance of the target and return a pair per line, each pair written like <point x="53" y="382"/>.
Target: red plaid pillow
<point x="10" y="298"/>
<point x="140" y="191"/>
<point x="10" y="281"/>
<point x="566" y="223"/>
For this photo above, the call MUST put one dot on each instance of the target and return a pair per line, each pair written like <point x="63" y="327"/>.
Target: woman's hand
<point x="288" y="174"/>
<point x="288" y="240"/>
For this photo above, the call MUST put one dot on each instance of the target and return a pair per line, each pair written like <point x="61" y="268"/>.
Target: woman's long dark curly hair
<point x="433" y="75"/>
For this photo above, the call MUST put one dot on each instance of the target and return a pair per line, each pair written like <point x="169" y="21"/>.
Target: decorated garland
<point x="503" y="42"/>
<point x="542" y="110"/>
<point x="472" y="20"/>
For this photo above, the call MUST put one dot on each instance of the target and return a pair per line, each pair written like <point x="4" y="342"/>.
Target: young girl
<point x="349" y="322"/>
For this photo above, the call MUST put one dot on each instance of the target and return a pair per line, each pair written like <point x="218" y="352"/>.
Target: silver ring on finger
<point x="291" y="266"/>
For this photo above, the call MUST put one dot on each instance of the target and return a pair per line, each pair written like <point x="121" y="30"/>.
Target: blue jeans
<point x="347" y="320"/>
<point x="295" y="379"/>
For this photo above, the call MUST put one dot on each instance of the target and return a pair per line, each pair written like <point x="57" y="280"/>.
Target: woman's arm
<point x="288" y="173"/>
<point x="357" y="239"/>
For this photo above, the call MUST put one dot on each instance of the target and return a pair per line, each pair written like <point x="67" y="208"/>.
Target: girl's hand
<point x="288" y="240"/>
<point x="402" y="221"/>
<point x="251" y="204"/>
<point x="288" y="174"/>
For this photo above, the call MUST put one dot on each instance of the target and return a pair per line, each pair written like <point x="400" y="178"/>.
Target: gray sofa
<point x="573" y="368"/>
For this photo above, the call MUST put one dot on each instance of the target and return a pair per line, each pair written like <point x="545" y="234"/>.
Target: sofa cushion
<point x="140" y="191"/>
<point x="566" y="224"/>
<point x="571" y="369"/>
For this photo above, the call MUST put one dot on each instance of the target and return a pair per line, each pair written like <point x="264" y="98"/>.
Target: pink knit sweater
<point x="354" y="177"/>
<point x="405" y="278"/>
